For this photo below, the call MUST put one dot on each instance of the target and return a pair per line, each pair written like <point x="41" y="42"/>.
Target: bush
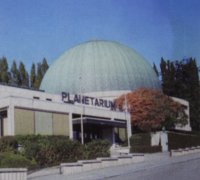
<point x="8" y="143"/>
<point x="59" y="151"/>
<point x="142" y="139"/>
<point x="30" y="145"/>
<point x="11" y="160"/>
<point x="141" y="143"/>
<point x="180" y="140"/>
<point x="50" y="150"/>
<point x="97" y="148"/>
<point x="145" y="149"/>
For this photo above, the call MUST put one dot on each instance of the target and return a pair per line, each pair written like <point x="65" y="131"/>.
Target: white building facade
<point x="24" y="111"/>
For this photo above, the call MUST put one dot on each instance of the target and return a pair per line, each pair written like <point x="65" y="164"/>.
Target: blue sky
<point x="33" y="29"/>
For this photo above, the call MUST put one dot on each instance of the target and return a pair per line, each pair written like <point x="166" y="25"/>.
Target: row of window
<point x="38" y="122"/>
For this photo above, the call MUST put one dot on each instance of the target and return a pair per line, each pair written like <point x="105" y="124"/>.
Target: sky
<point x="33" y="29"/>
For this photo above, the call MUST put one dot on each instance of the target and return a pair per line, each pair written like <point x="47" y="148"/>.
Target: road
<point x="189" y="170"/>
<point x="159" y="166"/>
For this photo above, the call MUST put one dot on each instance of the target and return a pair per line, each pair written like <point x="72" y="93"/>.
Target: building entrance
<point x="98" y="128"/>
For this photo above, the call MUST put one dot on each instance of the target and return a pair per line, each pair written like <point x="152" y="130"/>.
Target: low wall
<point x="161" y="138"/>
<point x="87" y="165"/>
<point x="185" y="151"/>
<point x="13" y="174"/>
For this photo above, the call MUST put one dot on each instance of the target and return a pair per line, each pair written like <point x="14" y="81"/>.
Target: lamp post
<point x="127" y="121"/>
<point x="82" y="131"/>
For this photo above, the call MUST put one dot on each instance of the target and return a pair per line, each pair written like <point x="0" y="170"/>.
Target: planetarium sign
<point x="86" y="100"/>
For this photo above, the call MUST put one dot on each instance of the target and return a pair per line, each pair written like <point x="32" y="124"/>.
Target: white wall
<point x="160" y="137"/>
<point x="187" y="127"/>
<point x="11" y="97"/>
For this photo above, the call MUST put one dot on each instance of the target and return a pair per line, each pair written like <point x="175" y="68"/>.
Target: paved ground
<point x="187" y="170"/>
<point x="155" y="167"/>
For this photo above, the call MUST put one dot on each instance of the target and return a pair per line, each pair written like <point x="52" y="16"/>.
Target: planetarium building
<point x="76" y="94"/>
<point x="101" y="69"/>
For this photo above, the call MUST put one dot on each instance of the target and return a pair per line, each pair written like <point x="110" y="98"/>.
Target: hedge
<point x="141" y="143"/>
<point x="8" y="143"/>
<point x="145" y="149"/>
<point x="96" y="149"/>
<point x="11" y="160"/>
<point x="181" y="140"/>
<point x="52" y="150"/>
<point x="140" y="139"/>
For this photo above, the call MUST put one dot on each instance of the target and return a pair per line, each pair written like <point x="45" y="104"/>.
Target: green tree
<point x="155" y="69"/>
<point x="24" y="77"/>
<point x="180" y="79"/>
<point x="41" y="70"/>
<point x="38" y="76"/>
<point x="168" y="77"/>
<point x="4" y="74"/>
<point x="33" y="76"/>
<point x="14" y="73"/>
<point x="44" y="67"/>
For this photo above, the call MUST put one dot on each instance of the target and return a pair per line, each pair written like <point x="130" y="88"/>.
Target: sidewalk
<point x="151" y="161"/>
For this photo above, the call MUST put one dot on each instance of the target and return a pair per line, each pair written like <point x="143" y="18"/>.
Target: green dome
<point x="98" y="66"/>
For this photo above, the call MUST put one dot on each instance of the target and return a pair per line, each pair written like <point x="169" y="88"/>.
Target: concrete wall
<point x="13" y="174"/>
<point x="26" y="98"/>
<point x="185" y="103"/>
<point x="160" y="137"/>
<point x="155" y="138"/>
<point x="87" y="165"/>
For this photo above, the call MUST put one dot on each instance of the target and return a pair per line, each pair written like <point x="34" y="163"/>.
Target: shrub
<point x="11" y="160"/>
<point x="50" y="150"/>
<point x="180" y="140"/>
<point x="145" y="149"/>
<point x="8" y="143"/>
<point x="31" y="144"/>
<point x="97" y="148"/>
<point x="141" y="143"/>
<point x="59" y="151"/>
<point x="142" y="139"/>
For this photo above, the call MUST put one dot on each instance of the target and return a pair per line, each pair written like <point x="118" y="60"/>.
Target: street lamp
<point x="127" y="121"/>
<point x="82" y="131"/>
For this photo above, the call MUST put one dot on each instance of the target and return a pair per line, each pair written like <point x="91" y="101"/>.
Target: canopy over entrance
<point x="114" y="131"/>
<point x="101" y="121"/>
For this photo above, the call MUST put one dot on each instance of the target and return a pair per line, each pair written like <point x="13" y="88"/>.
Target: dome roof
<point x="98" y="66"/>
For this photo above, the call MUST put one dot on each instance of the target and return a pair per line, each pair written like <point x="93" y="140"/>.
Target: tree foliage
<point x="33" y="76"/>
<point x="152" y="110"/>
<point x="41" y="70"/>
<point x="14" y="72"/>
<point x="23" y="76"/>
<point x="4" y="74"/>
<point x="155" y="69"/>
<point x="181" y="79"/>
<point x="19" y="76"/>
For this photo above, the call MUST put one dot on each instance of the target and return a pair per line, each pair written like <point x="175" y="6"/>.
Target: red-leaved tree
<point x="152" y="110"/>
